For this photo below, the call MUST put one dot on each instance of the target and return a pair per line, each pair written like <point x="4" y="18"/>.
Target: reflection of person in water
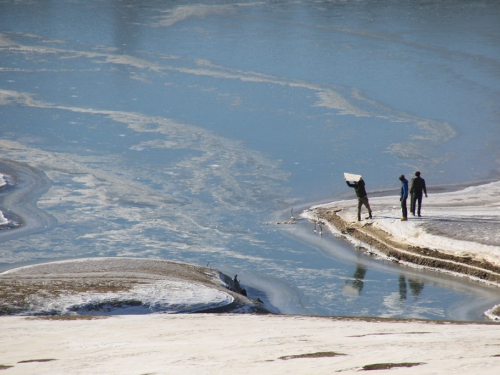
<point x="416" y="288"/>
<point x="402" y="288"/>
<point x="357" y="279"/>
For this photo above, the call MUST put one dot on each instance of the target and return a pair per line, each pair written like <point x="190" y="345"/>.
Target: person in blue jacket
<point x="404" y="196"/>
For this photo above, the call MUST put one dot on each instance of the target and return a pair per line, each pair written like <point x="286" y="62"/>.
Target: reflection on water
<point x="354" y="286"/>
<point x="416" y="288"/>
<point x="356" y="283"/>
<point x="402" y="288"/>
<point x="176" y="130"/>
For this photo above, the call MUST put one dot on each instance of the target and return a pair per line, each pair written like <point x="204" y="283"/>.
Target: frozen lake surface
<point x="185" y="131"/>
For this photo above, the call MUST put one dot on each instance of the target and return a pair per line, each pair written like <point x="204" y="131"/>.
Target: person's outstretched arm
<point x="349" y="184"/>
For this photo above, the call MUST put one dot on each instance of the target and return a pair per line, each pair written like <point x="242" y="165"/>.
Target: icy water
<point x="184" y="130"/>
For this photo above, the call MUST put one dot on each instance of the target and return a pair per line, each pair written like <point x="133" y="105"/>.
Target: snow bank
<point x="245" y="344"/>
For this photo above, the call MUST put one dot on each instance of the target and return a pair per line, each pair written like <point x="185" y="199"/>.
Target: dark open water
<point x="177" y="130"/>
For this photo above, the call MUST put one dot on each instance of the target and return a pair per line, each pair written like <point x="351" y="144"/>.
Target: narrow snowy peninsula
<point x="458" y="233"/>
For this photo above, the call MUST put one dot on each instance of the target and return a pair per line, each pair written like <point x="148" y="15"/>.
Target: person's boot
<point x="359" y="218"/>
<point x="371" y="217"/>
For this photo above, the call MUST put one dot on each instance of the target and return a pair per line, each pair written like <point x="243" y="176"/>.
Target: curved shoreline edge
<point x="25" y="186"/>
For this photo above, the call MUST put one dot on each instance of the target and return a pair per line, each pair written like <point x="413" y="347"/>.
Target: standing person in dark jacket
<point x="416" y="188"/>
<point x="359" y="188"/>
<point x="404" y="196"/>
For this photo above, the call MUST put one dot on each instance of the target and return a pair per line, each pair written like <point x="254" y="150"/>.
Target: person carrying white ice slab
<point x="359" y="187"/>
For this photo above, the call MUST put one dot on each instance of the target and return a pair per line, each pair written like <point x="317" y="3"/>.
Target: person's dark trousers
<point x="403" y="208"/>
<point x="416" y="200"/>
<point x="361" y="202"/>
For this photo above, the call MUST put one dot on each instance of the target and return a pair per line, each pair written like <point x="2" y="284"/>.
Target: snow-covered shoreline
<point x="26" y="184"/>
<point x="3" y="183"/>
